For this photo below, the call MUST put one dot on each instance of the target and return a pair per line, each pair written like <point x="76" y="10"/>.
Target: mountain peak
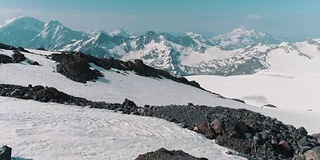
<point x="241" y="37"/>
<point x="21" y="19"/>
<point x="98" y="32"/>
<point x="192" y="34"/>
<point x="54" y="23"/>
<point x="120" y="32"/>
<point x="242" y="30"/>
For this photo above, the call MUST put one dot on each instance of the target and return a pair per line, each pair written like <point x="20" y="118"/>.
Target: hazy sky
<point x="292" y="18"/>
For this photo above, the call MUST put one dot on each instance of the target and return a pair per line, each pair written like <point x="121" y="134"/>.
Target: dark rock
<point x="218" y="126"/>
<point x="18" y="57"/>
<point x="22" y="49"/>
<point x="33" y="63"/>
<point x="37" y="87"/>
<point x="317" y="136"/>
<point x="205" y="129"/>
<point x="269" y="105"/>
<point x="285" y="147"/>
<point x="50" y="94"/>
<point x="16" y="93"/>
<point x="69" y="62"/>
<point x="238" y="100"/>
<point x="7" y="47"/>
<point x="128" y="107"/>
<point x="41" y="49"/>
<point x="257" y="138"/>
<point x="75" y="67"/>
<point x="190" y="104"/>
<point x="5" y="59"/>
<point x="5" y="153"/>
<point x="302" y="131"/>
<point x="304" y="141"/>
<point x="139" y="64"/>
<point x="163" y="154"/>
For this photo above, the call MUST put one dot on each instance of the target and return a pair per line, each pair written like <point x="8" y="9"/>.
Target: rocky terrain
<point x="251" y="134"/>
<point x="163" y="154"/>
<point x="76" y="66"/>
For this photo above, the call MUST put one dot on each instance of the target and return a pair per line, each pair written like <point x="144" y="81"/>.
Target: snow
<point x="309" y="49"/>
<point x="195" y="58"/>
<point x="120" y="86"/>
<point x="238" y="36"/>
<point x="9" y="21"/>
<point x="115" y="87"/>
<point x="302" y="58"/>
<point x="292" y="93"/>
<point x="53" y="131"/>
<point x="120" y="32"/>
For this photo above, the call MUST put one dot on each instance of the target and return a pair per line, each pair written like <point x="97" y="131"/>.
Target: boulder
<point x="238" y="100"/>
<point x="313" y="154"/>
<point x="317" y="136"/>
<point x="139" y="64"/>
<point x="269" y="105"/>
<point x="205" y="129"/>
<point x="5" y="59"/>
<point x="50" y="94"/>
<point x="304" y="141"/>
<point x="302" y="131"/>
<point x="5" y="153"/>
<point x="128" y="107"/>
<point x="285" y="146"/>
<point x="18" y="57"/>
<point x="218" y="126"/>
<point x="76" y="67"/>
<point x="163" y="154"/>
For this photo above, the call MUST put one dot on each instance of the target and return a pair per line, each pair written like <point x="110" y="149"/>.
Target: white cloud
<point x="254" y="16"/>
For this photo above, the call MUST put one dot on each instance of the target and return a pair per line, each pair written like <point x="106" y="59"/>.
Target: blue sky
<point x="292" y="18"/>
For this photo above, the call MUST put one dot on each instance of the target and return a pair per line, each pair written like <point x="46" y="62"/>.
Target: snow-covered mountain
<point x="120" y="32"/>
<point x="239" y="52"/>
<point x="20" y="30"/>
<point x="54" y="36"/>
<point x="241" y="37"/>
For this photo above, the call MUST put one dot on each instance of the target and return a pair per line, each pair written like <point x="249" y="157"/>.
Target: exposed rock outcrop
<point x="5" y="153"/>
<point x="76" y="66"/>
<point x="163" y="154"/>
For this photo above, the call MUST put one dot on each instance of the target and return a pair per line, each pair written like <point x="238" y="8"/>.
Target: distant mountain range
<point x="239" y="52"/>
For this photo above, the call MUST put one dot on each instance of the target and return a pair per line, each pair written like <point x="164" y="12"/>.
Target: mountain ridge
<point x="239" y="52"/>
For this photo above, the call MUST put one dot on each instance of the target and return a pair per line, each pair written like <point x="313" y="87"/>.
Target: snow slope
<point x="115" y="87"/>
<point x="52" y="131"/>
<point x="290" y="91"/>
<point x="290" y="82"/>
